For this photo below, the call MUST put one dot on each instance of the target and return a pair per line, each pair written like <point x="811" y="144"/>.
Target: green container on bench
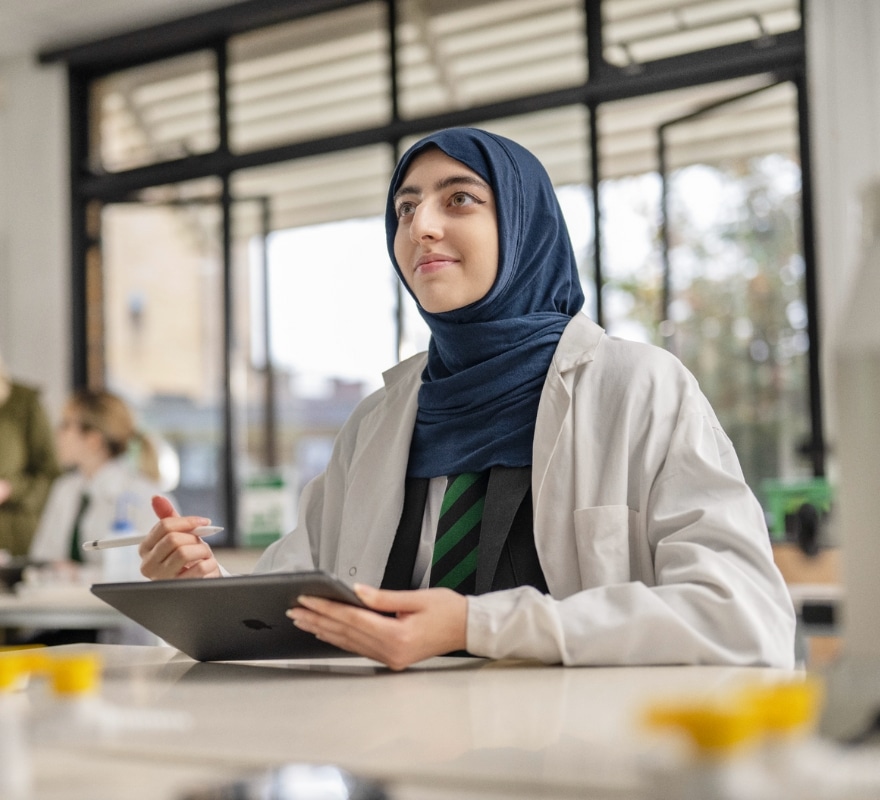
<point x="786" y="497"/>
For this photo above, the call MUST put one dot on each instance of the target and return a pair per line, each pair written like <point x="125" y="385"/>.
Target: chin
<point x="437" y="305"/>
<point x="434" y="308"/>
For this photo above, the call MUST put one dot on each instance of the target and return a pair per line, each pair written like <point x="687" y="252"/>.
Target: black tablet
<point x="229" y="619"/>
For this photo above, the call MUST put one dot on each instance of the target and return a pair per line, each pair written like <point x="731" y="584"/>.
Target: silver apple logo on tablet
<point x="256" y="624"/>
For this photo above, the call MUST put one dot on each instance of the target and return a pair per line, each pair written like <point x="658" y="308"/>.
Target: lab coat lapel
<point x="370" y="516"/>
<point x="554" y="465"/>
<point x="506" y="490"/>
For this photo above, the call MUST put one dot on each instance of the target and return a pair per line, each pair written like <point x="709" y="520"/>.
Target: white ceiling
<point x="28" y="26"/>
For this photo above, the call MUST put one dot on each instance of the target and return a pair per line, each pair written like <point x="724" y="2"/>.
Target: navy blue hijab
<point x="487" y="361"/>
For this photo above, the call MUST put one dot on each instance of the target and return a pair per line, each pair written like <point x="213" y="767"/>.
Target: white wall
<point x="34" y="281"/>
<point x="844" y="75"/>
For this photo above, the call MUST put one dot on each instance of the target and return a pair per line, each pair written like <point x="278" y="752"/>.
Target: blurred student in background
<point x="27" y="463"/>
<point x="113" y="473"/>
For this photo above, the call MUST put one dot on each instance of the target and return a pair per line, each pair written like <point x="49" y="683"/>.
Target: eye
<point x="460" y="199"/>
<point x="405" y="209"/>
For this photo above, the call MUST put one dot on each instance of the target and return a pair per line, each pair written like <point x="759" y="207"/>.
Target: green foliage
<point x="737" y="303"/>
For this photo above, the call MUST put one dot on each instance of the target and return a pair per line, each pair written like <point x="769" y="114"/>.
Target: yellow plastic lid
<point x="715" y="728"/>
<point x="76" y="674"/>
<point x="12" y="670"/>
<point x="787" y="707"/>
<point x="36" y="660"/>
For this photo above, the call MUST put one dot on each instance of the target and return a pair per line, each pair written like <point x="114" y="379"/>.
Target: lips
<point x="432" y="262"/>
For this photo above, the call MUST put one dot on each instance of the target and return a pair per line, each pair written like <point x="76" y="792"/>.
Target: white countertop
<point x="447" y="728"/>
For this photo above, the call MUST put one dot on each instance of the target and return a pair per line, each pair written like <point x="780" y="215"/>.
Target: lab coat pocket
<point x="603" y="534"/>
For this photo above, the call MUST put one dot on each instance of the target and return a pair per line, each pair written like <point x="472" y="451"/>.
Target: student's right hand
<point x="171" y="551"/>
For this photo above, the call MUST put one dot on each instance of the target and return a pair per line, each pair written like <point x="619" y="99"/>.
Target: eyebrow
<point x="445" y="183"/>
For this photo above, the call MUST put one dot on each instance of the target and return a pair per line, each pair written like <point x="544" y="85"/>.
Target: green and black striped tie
<point x="454" y="565"/>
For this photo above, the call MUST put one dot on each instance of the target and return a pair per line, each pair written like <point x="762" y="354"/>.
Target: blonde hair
<point x="105" y="412"/>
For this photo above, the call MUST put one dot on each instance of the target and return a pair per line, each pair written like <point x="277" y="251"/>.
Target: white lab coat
<point x="654" y="549"/>
<point x="117" y="487"/>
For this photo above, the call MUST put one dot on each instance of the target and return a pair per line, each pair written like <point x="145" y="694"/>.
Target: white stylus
<point x="127" y="541"/>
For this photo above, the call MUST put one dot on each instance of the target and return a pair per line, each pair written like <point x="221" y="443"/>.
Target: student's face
<point x="72" y="441"/>
<point x="447" y="232"/>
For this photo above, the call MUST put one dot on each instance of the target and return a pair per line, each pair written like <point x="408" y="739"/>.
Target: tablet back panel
<point x="227" y="619"/>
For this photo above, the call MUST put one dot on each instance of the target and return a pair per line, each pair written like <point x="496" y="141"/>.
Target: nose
<point x="425" y="223"/>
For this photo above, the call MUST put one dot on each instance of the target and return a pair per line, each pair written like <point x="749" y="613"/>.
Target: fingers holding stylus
<point x="173" y="547"/>
<point x="177" y="554"/>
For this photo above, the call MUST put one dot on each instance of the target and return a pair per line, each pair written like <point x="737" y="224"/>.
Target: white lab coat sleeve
<point x="712" y="594"/>
<point x="296" y="550"/>
<point x="312" y="542"/>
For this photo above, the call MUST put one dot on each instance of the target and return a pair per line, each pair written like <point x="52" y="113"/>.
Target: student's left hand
<point x="426" y="623"/>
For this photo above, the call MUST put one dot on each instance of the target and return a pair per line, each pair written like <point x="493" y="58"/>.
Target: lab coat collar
<point x="578" y="344"/>
<point x="404" y="370"/>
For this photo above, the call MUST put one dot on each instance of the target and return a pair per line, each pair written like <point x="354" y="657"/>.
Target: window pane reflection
<point x="638" y="31"/>
<point x="321" y="296"/>
<point x="736" y="313"/>
<point x="312" y="77"/>
<point x="164" y="318"/>
<point x="154" y="113"/>
<point x="459" y="54"/>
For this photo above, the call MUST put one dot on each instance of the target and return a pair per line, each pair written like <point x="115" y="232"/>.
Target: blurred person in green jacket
<point x="28" y="463"/>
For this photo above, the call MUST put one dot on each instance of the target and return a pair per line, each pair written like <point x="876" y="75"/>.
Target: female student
<point x="104" y="487"/>
<point x="605" y="519"/>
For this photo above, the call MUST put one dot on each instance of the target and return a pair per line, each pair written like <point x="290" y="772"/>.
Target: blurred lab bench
<point x="814" y="582"/>
<point x="69" y="604"/>
<point x="66" y="606"/>
<point x="461" y="728"/>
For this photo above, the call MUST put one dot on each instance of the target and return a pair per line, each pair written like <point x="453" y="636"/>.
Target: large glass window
<point x="723" y="284"/>
<point x="228" y="202"/>
<point x="315" y="305"/>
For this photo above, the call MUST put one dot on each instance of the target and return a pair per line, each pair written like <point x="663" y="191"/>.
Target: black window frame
<point x="782" y="56"/>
